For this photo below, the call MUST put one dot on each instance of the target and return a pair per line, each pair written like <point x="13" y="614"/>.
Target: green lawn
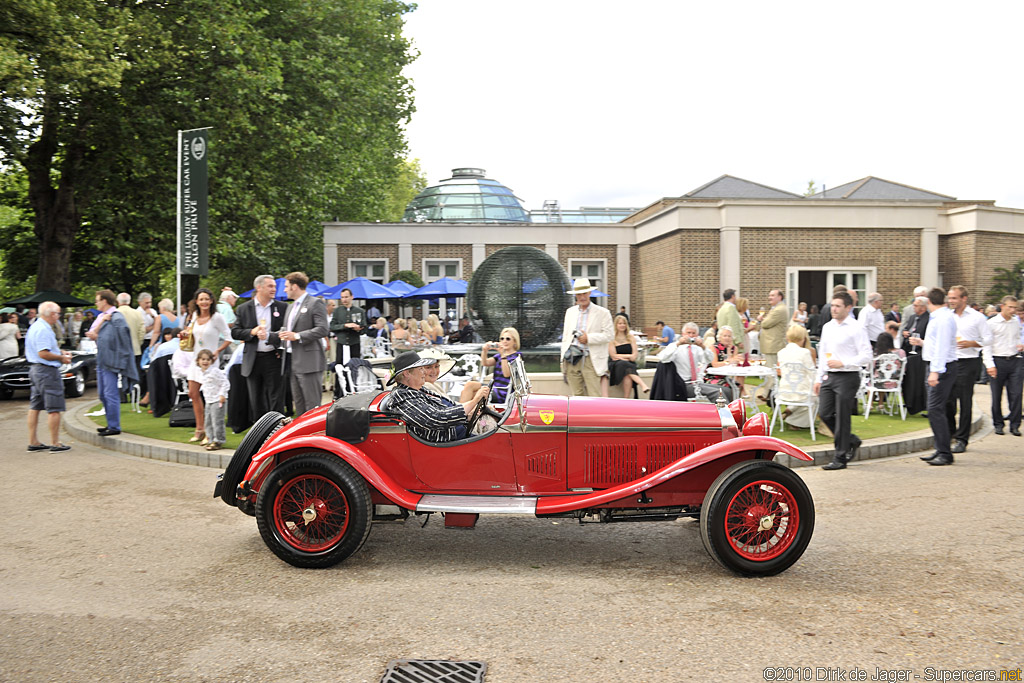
<point x="876" y="426"/>
<point x="144" y="424"/>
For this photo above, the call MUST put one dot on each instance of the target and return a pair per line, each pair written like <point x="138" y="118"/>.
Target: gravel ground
<point x="119" y="569"/>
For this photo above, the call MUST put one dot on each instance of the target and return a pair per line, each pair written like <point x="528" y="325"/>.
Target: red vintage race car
<point x="316" y="484"/>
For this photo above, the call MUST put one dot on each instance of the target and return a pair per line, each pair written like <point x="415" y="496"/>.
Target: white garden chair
<point x="887" y="381"/>
<point x="792" y="390"/>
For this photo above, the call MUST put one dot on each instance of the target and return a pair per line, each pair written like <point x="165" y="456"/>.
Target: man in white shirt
<point x="939" y="351"/>
<point x="1003" y="364"/>
<point x="972" y="333"/>
<point x="872" y="318"/>
<point x="842" y="351"/>
<point x="690" y="359"/>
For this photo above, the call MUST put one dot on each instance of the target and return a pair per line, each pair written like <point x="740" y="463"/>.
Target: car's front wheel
<point x="314" y="510"/>
<point x="757" y="518"/>
<point x="240" y="461"/>
<point x="76" y="387"/>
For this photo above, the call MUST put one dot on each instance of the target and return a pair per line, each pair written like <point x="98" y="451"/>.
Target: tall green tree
<point x="306" y="102"/>
<point x="1007" y="281"/>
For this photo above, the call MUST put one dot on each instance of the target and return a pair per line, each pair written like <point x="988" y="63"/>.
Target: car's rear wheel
<point x="314" y="510"/>
<point x="76" y="387"/>
<point x="757" y="518"/>
<point x="240" y="461"/>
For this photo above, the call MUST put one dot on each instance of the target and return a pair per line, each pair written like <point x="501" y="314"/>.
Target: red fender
<point x="558" y="504"/>
<point x="367" y="468"/>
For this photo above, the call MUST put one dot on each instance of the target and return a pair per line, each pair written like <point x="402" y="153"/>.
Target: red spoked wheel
<point x="314" y="510"/>
<point x="762" y="520"/>
<point x="757" y="518"/>
<point x="311" y="512"/>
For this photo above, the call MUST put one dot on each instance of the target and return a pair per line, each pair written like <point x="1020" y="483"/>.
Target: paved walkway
<point x="84" y="429"/>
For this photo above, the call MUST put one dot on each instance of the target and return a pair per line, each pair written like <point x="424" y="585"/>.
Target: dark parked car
<point x="81" y="369"/>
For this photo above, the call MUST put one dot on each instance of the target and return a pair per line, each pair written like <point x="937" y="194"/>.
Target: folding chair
<point x="788" y="393"/>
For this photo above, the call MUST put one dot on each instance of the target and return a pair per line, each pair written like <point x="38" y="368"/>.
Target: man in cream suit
<point x="304" y="330"/>
<point x="773" y="335"/>
<point x="586" y="331"/>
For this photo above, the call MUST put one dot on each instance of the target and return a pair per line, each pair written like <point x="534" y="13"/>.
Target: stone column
<point x="729" y="257"/>
<point x="405" y="257"/>
<point x="479" y="255"/>
<point x="622" y="279"/>
<point x="331" y="264"/>
<point x="930" y="257"/>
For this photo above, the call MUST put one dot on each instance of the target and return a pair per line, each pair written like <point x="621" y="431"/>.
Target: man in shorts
<point x="45" y="358"/>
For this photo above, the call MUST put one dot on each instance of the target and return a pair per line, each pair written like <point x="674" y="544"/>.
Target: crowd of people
<point x="283" y="350"/>
<point x="945" y="347"/>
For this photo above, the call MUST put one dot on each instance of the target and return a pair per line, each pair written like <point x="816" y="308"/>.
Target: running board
<point x="501" y="505"/>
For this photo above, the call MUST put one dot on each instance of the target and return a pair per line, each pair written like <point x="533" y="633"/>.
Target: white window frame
<point x="602" y="283"/>
<point x="458" y="301"/>
<point x="353" y="262"/>
<point x="793" y="281"/>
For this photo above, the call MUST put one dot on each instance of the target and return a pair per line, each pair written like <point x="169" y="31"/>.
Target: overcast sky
<point x="621" y="103"/>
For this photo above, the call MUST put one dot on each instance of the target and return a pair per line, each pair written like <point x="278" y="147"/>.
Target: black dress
<point x="619" y="369"/>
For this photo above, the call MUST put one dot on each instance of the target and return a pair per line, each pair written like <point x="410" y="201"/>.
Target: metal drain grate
<point x="433" y="671"/>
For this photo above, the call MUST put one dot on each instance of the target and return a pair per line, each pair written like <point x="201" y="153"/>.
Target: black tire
<point x="314" y="510"/>
<point x="76" y="387"/>
<point x="6" y="393"/>
<point x="240" y="461"/>
<point x="757" y="518"/>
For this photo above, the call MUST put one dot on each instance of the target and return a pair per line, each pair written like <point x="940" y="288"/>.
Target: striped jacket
<point x="427" y="415"/>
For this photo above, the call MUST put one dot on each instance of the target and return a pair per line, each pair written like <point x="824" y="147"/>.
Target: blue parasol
<point x="445" y="287"/>
<point x="361" y="289"/>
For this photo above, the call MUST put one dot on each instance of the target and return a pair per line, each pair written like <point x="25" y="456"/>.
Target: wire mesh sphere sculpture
<point x="520" y="287"/>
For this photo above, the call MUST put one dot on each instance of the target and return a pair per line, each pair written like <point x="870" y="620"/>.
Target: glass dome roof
<point x="466" y="197"/>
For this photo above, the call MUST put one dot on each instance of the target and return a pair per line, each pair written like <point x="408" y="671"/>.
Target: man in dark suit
<point x="348" y="321"/>
<point x="304" y="332"/>
<point x="258" y="322"/>
<point x="894" y="314"/>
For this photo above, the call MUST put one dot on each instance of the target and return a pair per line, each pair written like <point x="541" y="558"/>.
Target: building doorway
<point x="815" y="284"/>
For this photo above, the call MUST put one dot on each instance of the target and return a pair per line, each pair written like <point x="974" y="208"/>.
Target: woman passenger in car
<point x="506" y="351"/>
<point x="425" y="414"/>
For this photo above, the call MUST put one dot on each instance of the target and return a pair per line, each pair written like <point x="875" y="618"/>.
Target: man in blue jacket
<point x="114" y="356"/>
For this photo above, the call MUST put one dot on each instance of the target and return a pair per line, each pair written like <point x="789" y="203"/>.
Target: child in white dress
<point x="214" y="385"/>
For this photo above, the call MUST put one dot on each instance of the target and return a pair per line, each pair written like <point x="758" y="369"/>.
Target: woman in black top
<point x="622" y="355"/>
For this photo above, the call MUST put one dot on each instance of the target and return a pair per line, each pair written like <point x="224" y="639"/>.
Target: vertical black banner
<point x="192" y="202"/>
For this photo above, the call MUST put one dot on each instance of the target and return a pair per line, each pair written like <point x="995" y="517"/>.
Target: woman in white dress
<point x="797" y="351"/>
<point x="9" y="335"/>
<point x="209" y="331"/>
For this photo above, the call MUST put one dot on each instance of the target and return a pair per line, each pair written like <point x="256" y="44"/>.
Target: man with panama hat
<point x="586" y="331"/>
<point x="426" y="414"/>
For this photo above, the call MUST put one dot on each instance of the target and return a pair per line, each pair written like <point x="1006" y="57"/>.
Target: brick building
<point x="672" y="259"/>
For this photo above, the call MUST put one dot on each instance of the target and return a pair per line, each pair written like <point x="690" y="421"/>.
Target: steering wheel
<point x="479" y="411"/>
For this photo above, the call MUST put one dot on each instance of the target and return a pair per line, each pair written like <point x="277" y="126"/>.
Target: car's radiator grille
<point x="610" y="464"/>
<point x="543" y="464"/>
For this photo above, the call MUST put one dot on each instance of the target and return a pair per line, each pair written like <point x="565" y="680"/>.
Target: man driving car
<point x="426" y="414"/>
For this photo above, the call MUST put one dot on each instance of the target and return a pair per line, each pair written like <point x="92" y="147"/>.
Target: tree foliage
<point x="410" y="277"/>
<point x="306" y="102"/>
<point x="1007" y="281"/>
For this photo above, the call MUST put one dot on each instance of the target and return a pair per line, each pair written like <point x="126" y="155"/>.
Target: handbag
<point x="188" y="342"/>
